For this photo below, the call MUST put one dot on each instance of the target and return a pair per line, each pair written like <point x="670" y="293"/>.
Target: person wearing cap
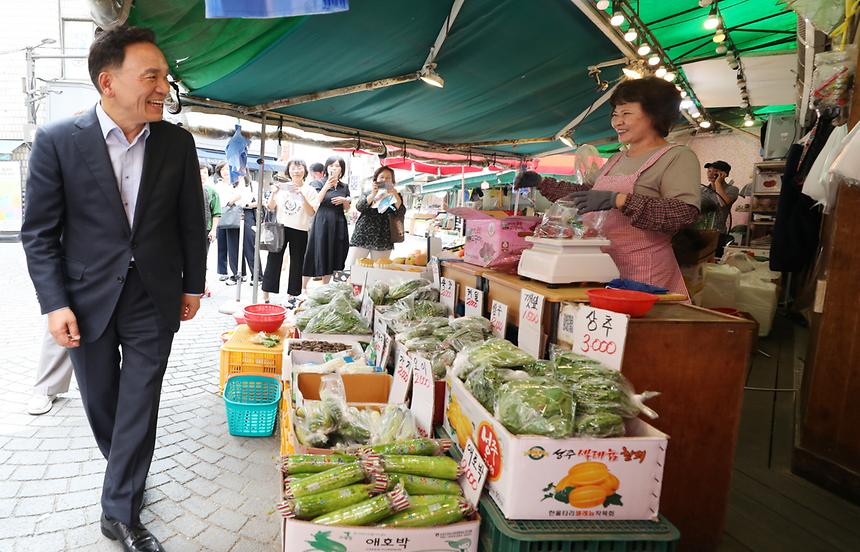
<point x="718" y="196"/>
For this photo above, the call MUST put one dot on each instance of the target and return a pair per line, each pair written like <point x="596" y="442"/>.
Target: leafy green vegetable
<point x="536" y="406"/>
<point x="484" y="383"/>
<point x="325" y="293"/>
<point x="338" y="317"/>
<point x="401" y="290"/>
<point x="602" y="424"/>
<point x="494" y="352"/>
<point x="378" y="293"/>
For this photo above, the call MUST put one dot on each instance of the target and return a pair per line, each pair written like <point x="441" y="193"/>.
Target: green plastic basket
<point x="252" y="405"/>
<point x="502" y="535"/>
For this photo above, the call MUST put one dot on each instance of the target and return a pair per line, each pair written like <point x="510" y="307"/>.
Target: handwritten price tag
<point x="474" y="473"/>
<point x="448" y="293"/>
<point x="402" y="379"/>
<point x="531" y="317"/>
<point x="422" y="395"/>
<point x="499" y="319"/>
<point x="434" y="266"/>
<point x="367" y="309"/>
<point x="474" y="302"/>
<point x="601" y="335"/>
<point x="380" y="333"/>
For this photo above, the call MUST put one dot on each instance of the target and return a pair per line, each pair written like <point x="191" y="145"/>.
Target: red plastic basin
<point x="634" y="303"/>
<point x="264" y="317"/>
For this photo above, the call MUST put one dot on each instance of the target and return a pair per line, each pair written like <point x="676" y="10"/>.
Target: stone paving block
<point x="180" y="474"/>
<point x="64" y="471"/>
<point x="34" y="505"/>
<point x="61" y="521"/>
<point x="162" y="452"/>
<point x="248" y="545"/>
<point x="7" y="505"/>
<point x="38" y="543"/>
<point x="188" y="445"/>
<point x="166" y="510"/>
<point x="229" y="518"/>
<point x="66" y="456"/>
<point x="217" y="539"/>
<point x="203" y="487"/>
<point x="152" y="495"/>
<point x="28" y="473"/>
<point x="170" y="439"/>
<point x="85" y="538"/>
<point x="192" y="433"/>
<point x="208" y="455"/>
<point x="61" y="443"/>
<point x="189" y="525"/>
<point x="46" y="487"/>
<point x="157" y="479"/>
<point x="93" y="513"/>
<point x="29" y="457"/>
<point x="179" y="543"/>
<point x="164" y="464"/>
<point x="20" y="444"/>
<point x="236" y="450"/>
<point x="232" y="483"/>
<point x="6" y="471"/>
<point x="174" y="491"/>
<point x="206" y="470"/>
<point x="94" y="466"/>
<point x="229" y="499"/>
<point x="85" y="482"/>
<point x="199" y="506"/>
<point x="161" y="530"/>
<point x="79" y="499"/>
<point x="23" y="526"/>
<point x="185" y="459"/>
<point x="264" y="528"/>
<point x="82" y="442"/>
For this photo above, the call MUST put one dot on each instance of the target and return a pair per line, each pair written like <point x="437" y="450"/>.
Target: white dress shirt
<point x="126" y="159"/>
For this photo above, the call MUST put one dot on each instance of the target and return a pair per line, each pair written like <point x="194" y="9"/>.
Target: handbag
<point x="396" y="222"/>
<point x="271" y="236"/>
<point x="231" y="217"/>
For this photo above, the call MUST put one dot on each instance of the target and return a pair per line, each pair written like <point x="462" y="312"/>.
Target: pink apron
<point x="641" y="255"/>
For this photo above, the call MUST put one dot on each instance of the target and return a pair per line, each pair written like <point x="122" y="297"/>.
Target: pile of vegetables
<point x="319" y="346"/>
<point x="336" y="317"/>
<point x="438" y="339"/>
<point x="331" y="423"/>
<point x="368" y="488"/>
<point x="569" y="396"/>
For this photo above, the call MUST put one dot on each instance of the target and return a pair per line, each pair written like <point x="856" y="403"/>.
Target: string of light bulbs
<point x="653" y="59"/>
<point x="726" y="46"/>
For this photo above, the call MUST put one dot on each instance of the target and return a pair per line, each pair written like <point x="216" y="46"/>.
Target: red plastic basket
<point x="634" y="303"/>
<point x="264" y="317"/>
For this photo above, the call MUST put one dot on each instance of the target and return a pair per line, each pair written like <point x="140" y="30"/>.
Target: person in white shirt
<point x="292" y="202"/>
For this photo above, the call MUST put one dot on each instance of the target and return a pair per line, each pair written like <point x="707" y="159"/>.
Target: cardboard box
<point x="297" y="358"/>
<point x="340" y="338"/>
<point x="525" y="471"/>
<point x="492" y="241"/>
<point x="298" y="536"/>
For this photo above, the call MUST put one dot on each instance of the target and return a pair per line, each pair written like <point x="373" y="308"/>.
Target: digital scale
<point x="567" y="261"/>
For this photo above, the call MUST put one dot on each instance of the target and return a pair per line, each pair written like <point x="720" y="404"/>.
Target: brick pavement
<point x="206" y="490"/>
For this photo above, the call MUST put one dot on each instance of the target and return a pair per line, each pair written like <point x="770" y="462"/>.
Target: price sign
<point x="422" y="395"/>
<point x="381" y="343"/>
<point x="474" y="302"/>
<point x="566" y="318"/>
<point x="367" y="309"/>
<point x="402" y="379"/>
<point x="448" y="294"/>
<point x="600" y="334"/>
<point x="474" y="473"/>
<point x="434" y="266"/>
<point x="531" y="316"/>
<point x="360" y="290"/>
<point x="499" y="319"/>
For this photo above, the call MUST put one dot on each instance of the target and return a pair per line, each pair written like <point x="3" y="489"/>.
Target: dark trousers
<point x="297" y="241"/>
<point x="122" y="404"/>
<point x="249" y="240"/>
<point x="228" y="249"/>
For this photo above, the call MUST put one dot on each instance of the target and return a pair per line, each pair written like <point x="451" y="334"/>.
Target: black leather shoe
<point x="133" y="539"/>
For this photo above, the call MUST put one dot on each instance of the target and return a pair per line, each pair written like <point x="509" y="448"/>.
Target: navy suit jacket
<point x="76" y="234"/>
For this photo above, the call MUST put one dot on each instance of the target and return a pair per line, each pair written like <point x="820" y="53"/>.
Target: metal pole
<point x="256" y="280"/>
<point x="30" y="86"/>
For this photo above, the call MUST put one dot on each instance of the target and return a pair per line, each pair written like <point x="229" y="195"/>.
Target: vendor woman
<point x="649" y="191"/>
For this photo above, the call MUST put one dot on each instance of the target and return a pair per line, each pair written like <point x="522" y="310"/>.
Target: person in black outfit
<point x="328" y="242"/>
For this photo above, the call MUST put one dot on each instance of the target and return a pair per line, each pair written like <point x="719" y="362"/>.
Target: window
<point x="77" y="34"/>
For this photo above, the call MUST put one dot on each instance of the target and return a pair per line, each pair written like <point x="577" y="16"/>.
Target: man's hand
<point x="588" y="201"/>
<point x="339" y="200"/>
<point x="63" y="325"/>
<point x="190" y="306"/>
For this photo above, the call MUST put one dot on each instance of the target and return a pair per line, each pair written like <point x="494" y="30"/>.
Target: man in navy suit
<point x="115" y="239"/>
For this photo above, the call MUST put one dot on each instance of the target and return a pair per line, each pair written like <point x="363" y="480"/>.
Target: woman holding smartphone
<point x="328" y="241"/>
<point x="372" y="233"/>
<point x="293" y="204"/>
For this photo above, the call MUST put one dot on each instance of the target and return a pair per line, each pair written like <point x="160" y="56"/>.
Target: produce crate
<point x="242" y="356"/>
<point x="501" y="535"/>
<point x="252" y="405"/>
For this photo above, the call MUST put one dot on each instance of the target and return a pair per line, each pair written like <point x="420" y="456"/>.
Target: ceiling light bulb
<point x="748" y="120"/>
<point x="721" y="49"/>
<point x="733" y="64"/>
<point x="602" y="4"/>
<point x="644" y="50"/>
<point x="669" y="77"/>
<point x="695" y="112"/>
<point x="660" y="72"/>
<point x="433" y="78"/>
<point x="713" y="20"/>
<point x="705" y="124"/>
<point x="745" y="104"/>
<point x="654" y="60"/>
<point x="687" y="104"/>
<point x="631" y="35"/>
<point x="719" y="37"/>
<point x="631" y="73"/>
<point x="617" y="19"/>
<point x="683" y="93"/>
<point x="566" y="141"/>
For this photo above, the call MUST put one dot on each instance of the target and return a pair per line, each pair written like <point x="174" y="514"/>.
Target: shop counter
<point x="466" y="275"/>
